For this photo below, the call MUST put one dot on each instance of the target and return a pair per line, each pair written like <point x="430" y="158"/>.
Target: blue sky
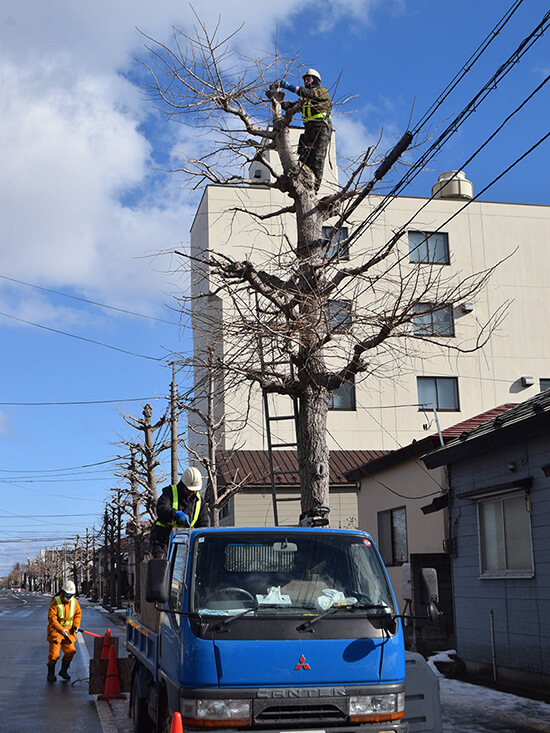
<point x="88" y="207"/>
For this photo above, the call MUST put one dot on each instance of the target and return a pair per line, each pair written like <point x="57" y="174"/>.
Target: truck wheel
<point x="141" y="721"/>
<point x="165" y="719"/>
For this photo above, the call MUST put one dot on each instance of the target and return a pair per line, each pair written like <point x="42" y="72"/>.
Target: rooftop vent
<point x="453" y="185"/>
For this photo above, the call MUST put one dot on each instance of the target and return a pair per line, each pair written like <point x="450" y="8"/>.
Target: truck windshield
<point x="287" y="573"/>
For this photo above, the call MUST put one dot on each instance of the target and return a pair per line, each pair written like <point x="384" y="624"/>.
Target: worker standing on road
<point x="179" y="505"/>
<point x="64" y="616"/>
<point x="316" y="106"/>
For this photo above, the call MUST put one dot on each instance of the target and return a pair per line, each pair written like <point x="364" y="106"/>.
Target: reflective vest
<point x="175" y="505"/>
<point x="307" y="113"/>
<point x="61" y="611"/>
<point x="317" y="108"/>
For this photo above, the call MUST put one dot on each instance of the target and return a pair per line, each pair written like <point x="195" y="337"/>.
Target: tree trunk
<point x="312" y="447"/>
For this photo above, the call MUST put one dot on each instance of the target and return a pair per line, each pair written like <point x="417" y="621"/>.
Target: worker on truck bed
<point x="316" y="105"/>
<point x="64" y="616"/>
<point x="179" y="505"/>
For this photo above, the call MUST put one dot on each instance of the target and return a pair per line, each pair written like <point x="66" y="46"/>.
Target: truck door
<point x="170" y="623"/>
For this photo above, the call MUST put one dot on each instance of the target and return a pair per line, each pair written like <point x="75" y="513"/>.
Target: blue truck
<point x="268" y="629"/>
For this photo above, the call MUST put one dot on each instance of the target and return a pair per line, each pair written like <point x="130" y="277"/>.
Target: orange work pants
<point x="61" y="643"/>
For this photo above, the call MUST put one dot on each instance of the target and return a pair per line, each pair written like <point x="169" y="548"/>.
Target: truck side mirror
<point x="435" y="615"/>
<point x="157" y="581"/>
<point x="429" y="586"/>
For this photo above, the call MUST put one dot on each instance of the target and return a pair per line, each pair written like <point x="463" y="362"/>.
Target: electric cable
<point x="89" y="302"/>
<point x="81" y="338"/>
<point x="453" y="127"/>
<point x="467" y="67"/>
<point x="82" y="402"/>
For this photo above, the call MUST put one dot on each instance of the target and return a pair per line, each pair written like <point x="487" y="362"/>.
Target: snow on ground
<point x="469" y="708"/>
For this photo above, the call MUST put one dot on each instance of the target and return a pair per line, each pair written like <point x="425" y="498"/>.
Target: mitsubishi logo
<point x="302" y="664"/>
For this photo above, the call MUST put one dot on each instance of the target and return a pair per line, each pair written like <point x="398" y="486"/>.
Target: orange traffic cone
<point x="106" y="644"/>
<point x="177" y="725"/>
<point x="111" y="689"/>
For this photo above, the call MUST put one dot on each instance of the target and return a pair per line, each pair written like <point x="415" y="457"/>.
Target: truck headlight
<point x="215" y="713"/>
<point x="376" y="708"/>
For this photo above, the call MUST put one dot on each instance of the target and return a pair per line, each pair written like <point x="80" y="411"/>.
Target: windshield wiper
<point x="229" y="619"/>
<point x="342" y="607"/>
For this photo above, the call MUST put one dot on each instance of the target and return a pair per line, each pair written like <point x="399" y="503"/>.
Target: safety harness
<point x="175" y="506"/>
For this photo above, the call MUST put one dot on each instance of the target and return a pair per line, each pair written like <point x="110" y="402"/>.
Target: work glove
<point x="285" y="85"/>
<point x="182" y="518"/>
<point x="74" y="630"/>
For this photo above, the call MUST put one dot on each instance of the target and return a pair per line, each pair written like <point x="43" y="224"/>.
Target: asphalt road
<point x="29" y="703"/>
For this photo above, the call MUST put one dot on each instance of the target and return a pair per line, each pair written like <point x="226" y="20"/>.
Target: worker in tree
<point x="179" y="505"/>
<point x="64" y="616"/>
<point x="316" y="106"/>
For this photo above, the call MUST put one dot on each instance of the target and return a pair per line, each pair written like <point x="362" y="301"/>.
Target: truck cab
<point x="266" y="629"/>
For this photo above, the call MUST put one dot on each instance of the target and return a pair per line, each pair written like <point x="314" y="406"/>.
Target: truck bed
<point x="142" y="642"/>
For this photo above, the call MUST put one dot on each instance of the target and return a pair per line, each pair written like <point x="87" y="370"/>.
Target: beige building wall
<point x="254" y="508"/>
<point x="480" y="236"/>
<point x="413" y="486"/>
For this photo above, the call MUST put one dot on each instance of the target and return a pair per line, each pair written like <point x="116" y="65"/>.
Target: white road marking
<point x="102" y="706"/>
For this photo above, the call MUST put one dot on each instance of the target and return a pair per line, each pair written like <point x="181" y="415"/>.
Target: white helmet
<point x="192" y="478"/>
<point x="312" y="72"/>
<point x="68" y="588"/>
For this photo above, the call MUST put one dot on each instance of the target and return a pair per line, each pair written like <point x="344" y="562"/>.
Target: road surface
<point x="28" y="703"/>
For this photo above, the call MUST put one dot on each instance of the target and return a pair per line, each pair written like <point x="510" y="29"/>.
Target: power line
<point x="82" y="402"/>
<point x="71" y="468"/>
<point x="90" y="302"/>
<point x="459" y="120"/>
<point x="81" y="338"/>
<point x="467" y="66"/>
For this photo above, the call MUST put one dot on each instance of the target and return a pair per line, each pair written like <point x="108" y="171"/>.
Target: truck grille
<point x="281" y="713"/>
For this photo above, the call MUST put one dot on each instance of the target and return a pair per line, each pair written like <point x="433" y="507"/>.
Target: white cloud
<point x="81" y="198"/>
<point x="6" y="426"/>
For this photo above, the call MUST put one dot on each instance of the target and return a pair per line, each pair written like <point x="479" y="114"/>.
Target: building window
<point x="438" y="392"/>
<point x="344" y="397"/>
<point x="225" y="510"/>
<point x="430" y="247"/>
<point x="339" y="316"/>
<point x="505" y="535"/>
<point x="392" y="536"/>
<point x="335" y="242"/>
<point x="430" y="320"/>
<point x="544" y="384"/>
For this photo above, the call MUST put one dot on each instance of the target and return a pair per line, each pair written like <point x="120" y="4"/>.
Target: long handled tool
<point x="90" y="633"/>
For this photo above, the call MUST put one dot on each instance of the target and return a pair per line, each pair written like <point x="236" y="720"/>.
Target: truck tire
<point x="141" y="721"/>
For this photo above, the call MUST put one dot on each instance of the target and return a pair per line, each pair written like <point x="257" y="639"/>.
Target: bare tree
<point x="284" y="296"/>
<point x="207" y="424"/>
<point x="138" y="500"/>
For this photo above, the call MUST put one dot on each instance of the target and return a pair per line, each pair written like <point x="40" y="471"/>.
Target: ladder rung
<point x="287" y="498"/>
<point x="284" y="445"/>
<point x="281" y="417"/>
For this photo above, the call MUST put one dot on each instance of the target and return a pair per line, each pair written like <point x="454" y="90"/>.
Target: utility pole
<point x="118" y="591"/>
<point x="149" y="449"/>
<point x="95" y="573"/>
<point x="107" y="594"/>
<point x="174" y="427"/>
<point x="87" y="561"/>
